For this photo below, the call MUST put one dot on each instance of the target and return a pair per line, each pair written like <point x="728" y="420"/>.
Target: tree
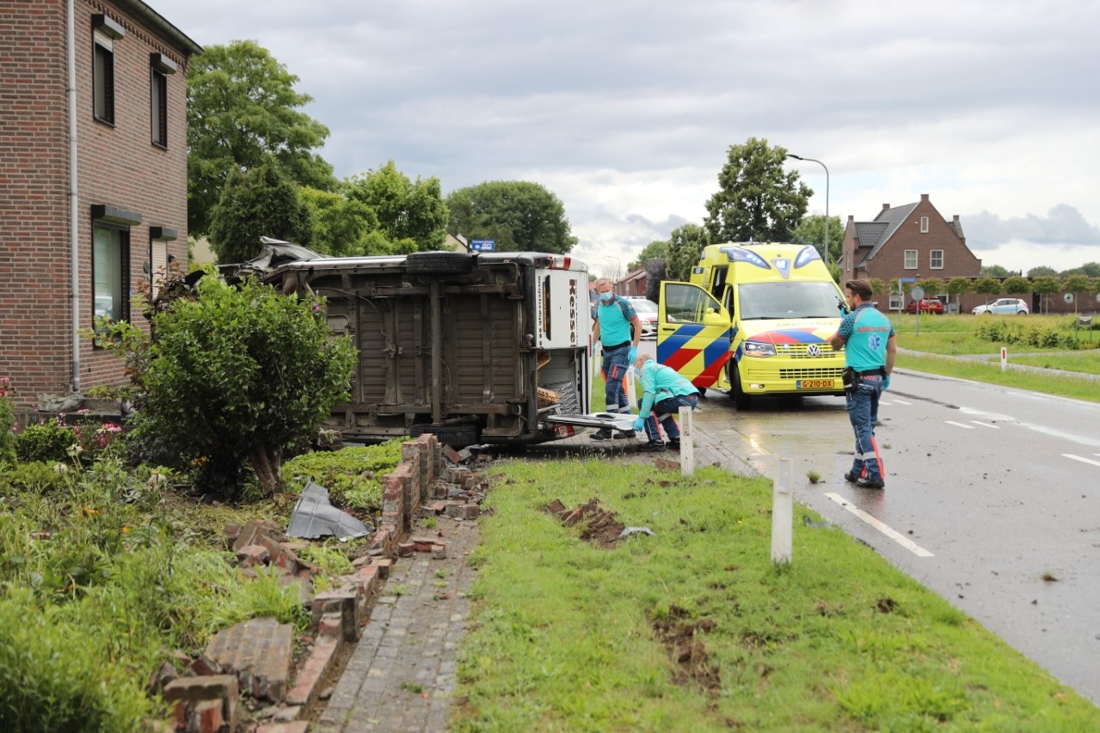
<point x="685" y="248"/>
<point x="988" y="286"/>
<point x="1046" y="285"/>
<point x="757" y="200"/>
<point x="1078" y="284"/>
<point x="236" y="375"/>
<point x="1016" y="285"/>
<point x="655" y="250"/>
<point x="956" y="286"/>
<point x="878" y="287"/>
<point x="340" y="224"/>
<point x="517" y="215"/>
<point x="994" y="271"/>
<point x="932" y="285"/>
<point x="1042" y="271"/>
<point x="243" y="112"/>
<point x="811" y="230"/>
<point x="259" y="202"/>
<point x="406" y="210"/>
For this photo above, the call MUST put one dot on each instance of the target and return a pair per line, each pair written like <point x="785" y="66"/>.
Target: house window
<point x="105" y="32"/>
<point x="924" y="225"/>
<point x="160" y="66"/>
<point x="110" y="272"/>
<point x="936" y="259"/>
<point x="159" y="108"/>
<point x="896" y="302"/>
<point x="910" y="259"/>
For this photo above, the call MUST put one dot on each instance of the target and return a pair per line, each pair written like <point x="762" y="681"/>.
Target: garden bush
<point x="48" y="441"/>
<point x="353" y="476"/>
<point x="1014" y="331"/>
<point x="7" y="423"/>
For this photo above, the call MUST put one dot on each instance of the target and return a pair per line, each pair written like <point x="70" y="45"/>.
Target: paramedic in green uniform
<point x="867" y="338"/>
<point x="664" y="392"/>
<point x="618" y="330"/>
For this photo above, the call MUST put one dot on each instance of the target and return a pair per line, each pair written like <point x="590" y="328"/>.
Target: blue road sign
<point x="482" y="245"/>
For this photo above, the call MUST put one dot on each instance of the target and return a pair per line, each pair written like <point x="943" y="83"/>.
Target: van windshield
<point x="788" y="300"/>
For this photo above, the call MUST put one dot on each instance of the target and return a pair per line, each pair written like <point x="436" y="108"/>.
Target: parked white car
<point x="647" y="314"/>
<point x="1003" y="307"/>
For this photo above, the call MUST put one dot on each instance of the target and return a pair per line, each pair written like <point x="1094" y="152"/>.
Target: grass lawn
<point x="695" y="629"/>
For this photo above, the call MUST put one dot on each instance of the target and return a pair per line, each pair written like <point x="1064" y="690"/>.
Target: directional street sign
<point x="483" y="245"/>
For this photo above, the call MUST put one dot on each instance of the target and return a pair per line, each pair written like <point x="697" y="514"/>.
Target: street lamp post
<point x="811" y="160"/>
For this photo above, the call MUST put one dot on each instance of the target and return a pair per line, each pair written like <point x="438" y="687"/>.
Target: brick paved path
<point x="402" y="673"/>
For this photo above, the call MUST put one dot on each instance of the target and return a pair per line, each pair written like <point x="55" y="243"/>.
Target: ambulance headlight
<point x="757" y="348"/>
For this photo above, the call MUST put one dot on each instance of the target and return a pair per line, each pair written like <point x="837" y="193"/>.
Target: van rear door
<point x="693" y="333"/>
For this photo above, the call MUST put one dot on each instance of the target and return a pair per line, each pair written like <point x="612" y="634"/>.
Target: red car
<point x="927" y="305"/>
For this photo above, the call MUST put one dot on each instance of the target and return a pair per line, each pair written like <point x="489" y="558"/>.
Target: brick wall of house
<point x="33" y="218"/>
<point x="118" y="166"/>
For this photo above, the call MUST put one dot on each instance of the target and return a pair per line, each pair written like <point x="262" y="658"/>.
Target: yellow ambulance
<point x="754" y="321"/>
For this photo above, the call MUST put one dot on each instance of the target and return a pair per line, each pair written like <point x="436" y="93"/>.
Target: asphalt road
<point x="992" y="500"/>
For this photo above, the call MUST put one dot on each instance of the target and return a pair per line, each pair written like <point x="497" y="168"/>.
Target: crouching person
<point x="664" y="392"/>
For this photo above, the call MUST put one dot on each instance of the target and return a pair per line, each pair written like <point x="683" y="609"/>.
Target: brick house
<point x="94" y="179"/>
<point x="910" y="241"/>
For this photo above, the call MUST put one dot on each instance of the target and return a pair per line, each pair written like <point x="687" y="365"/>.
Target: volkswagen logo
<point x="814" y="350"/>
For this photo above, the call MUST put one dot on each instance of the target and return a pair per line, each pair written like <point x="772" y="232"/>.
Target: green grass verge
<point x="563" y="636"/>
<point x="1068" y="385"/>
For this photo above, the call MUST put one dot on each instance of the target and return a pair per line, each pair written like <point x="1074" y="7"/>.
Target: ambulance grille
<point x="806" y="351"/>
<point x="811" y="373"/>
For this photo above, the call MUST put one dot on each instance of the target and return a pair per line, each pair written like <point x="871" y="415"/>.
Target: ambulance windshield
<point x="773" y="300"/>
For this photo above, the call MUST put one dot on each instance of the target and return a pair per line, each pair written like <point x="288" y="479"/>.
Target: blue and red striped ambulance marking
<point x="790" y="336"/>
<point x="674" y="352"/>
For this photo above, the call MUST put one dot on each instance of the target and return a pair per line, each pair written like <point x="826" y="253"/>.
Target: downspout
<point x="74" y="219"/>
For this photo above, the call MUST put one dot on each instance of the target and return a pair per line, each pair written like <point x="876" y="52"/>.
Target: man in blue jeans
<point x="867" y="338"/>
<point x="617" y="329"/>
<point x="664" y="392"/>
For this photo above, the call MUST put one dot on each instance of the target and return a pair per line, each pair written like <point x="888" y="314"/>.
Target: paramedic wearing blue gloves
<point x="617" y="329"/>
<point x="664" y="392"/>
<point x="867" y="338"/>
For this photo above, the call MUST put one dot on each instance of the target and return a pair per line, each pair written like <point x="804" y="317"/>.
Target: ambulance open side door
<point x="693" y="334"/>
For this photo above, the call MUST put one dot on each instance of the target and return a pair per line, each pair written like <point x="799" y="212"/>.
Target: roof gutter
<point x="157" y="21"/>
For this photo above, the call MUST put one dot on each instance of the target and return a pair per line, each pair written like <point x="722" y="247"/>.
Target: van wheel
<point x="439" y="263"/>
<point x="741" y="400"/>
<point x="456" y="436"/>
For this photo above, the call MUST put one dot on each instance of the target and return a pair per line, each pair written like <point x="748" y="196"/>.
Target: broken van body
<point x="488" y="347"/>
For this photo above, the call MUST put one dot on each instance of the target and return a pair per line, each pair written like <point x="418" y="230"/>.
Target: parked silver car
<point x="1003" y="307"/>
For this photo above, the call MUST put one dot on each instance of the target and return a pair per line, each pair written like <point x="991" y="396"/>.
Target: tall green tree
<point x="1046" y="285"/>
<point x="988" y="285"/>
<point x="340" y="224"/>
<point x="757" y="198"/>
<point x="517" y="215"/>
<point x="655" y="250"/>
<point x="255" y="203"/>
<point x="811" y="230"/>
<point x="1016" y="285"/>
<point x="407" y="211"/>
<point x="1078" y="284"/>
<point x="243" y="112"/>
<point x="1042" y="271"/>
<point x="994" y="271"/>
<point x="685" y="247"/>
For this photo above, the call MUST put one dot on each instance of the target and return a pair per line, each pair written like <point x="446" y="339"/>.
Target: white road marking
<point x="986" y="425"/>
<point x="1083" y="460"/>
<point x="902" y="402"/>
<point x="959" y="424"/>
<point x="905" y="542"/>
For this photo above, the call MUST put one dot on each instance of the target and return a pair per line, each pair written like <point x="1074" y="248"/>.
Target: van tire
<point x="741" y="400"/>
<point x="456" y="436"/>
<point x="439" y="263"/>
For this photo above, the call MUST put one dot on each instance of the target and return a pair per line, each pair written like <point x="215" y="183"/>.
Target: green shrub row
<point x="1004" y="331"/>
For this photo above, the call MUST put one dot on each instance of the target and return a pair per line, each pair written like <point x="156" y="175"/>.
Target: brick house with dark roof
<point x="93" y="135"/>
<point x="910" y="241"/>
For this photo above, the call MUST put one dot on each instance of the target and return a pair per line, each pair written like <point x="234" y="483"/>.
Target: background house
<point x="907" y="242"/>
<point x="95" y="182"/>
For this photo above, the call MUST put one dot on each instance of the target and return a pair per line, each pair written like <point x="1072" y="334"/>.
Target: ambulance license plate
<point x="815" y="384"/>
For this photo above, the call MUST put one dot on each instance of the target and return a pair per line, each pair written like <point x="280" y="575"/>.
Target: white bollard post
<point x="687" y="442"/>
<point x="1004" y="358"/>
<point x="631" y="390"/>
<point x="782" y="514"/>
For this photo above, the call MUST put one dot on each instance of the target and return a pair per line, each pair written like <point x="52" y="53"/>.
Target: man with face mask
<point x="617" y="329"/>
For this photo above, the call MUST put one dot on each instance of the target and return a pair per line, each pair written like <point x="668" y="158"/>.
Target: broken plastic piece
<point x="637" y="530"/>
<point x="314" y="517"/>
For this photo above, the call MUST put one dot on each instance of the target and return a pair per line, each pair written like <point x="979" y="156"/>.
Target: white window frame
<point x="897" y="302"/>
<point x="932" y="259"/>
<point x="924" y="225"/>
<point x="912" y="259"/>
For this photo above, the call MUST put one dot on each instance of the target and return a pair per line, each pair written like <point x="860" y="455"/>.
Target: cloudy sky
<point x="626" y="110"/>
